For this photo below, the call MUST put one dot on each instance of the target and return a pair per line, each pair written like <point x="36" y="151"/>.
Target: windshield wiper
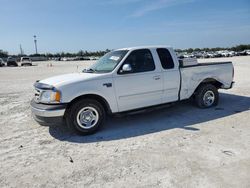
<point x="89" y="70"/>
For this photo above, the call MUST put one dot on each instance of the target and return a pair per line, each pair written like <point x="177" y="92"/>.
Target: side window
<point x="166" y="58"/>
<point x="140" y="61"/>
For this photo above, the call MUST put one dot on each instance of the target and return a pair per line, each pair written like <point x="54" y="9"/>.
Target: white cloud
<point x="157" y="5"/>
<point x="120" y="1"/>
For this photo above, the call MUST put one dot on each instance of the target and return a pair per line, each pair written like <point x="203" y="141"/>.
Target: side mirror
<point x="126" y="68"/>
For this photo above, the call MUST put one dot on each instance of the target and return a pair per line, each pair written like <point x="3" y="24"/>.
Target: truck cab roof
<point x="143" y="47"/>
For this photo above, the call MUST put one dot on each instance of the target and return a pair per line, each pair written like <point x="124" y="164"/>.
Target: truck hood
<point x="65" y="79"/>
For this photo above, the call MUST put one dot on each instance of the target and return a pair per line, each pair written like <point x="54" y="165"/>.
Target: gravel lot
<point x="180" y="146"/>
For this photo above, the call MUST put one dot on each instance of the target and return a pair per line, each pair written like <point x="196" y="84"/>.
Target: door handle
<point x="107" y="84"/>
<point x="158" y="77"/>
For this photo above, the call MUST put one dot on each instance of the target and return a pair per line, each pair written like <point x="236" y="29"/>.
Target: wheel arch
<point x="96" y="97"/>
<point x="212" y="81"/>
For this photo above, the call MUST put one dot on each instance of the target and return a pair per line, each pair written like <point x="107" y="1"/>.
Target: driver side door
<point x="142" y="86"/>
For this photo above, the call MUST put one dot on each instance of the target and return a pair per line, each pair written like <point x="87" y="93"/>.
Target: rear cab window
<point x="165" y="58"/>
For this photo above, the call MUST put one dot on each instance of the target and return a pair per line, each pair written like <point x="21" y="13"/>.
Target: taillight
<point x="233" y="72"/>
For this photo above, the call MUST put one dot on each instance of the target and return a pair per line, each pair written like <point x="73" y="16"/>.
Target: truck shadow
<point x="183" y="115"/>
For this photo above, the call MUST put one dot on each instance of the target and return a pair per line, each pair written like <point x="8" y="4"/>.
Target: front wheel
<point x="206" y="96"/>
<point x="85" y="116"/>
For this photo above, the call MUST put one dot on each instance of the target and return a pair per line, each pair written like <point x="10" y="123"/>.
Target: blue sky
<point x="73" y="25"/>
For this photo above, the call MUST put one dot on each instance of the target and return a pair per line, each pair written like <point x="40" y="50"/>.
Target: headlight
<point x="50" y="96"/>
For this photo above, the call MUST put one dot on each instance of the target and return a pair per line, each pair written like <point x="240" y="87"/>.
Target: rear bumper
<point x="26" y="64"/>
<point x="49" y="113"/>
<point x="12" y="63"/>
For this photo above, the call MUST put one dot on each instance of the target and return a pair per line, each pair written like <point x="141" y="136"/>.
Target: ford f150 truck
<point x="124" y="80"/>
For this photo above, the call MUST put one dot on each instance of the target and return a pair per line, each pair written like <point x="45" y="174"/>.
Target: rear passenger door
<point x="171" y="76"/>
<point x="143" y="85"/>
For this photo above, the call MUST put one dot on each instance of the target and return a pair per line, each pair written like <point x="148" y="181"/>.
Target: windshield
<point x="108" y="62"/>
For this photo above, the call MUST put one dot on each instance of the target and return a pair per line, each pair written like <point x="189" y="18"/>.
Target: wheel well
<point x="212" y="81"/>
<point x="98" y="98"/>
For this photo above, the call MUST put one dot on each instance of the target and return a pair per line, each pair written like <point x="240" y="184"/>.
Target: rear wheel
<point x="85" y="116"/>
<point x="206" y="96"/>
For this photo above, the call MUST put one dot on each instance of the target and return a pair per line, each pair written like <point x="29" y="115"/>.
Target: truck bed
<point x="203" y="64"/>
<point x="193" y="75"/>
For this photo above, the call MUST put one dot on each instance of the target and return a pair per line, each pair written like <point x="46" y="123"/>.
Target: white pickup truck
<point x="124" y="80"/>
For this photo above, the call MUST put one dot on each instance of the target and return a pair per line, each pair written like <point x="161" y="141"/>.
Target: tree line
<point x="3" y="54"/>
<point x="82" y="53"/>
<point x="237" y="48"/>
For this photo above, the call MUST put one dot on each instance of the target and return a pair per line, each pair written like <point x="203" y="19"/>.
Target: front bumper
<point x="47" y="112"/>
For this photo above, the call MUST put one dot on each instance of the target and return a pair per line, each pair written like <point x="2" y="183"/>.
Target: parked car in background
<point x="11" y="62"/>
<point x="64" y="59"/>
<point x="231" y="53"/>
<point x="26" y="61"/>
<point x="211" y="54"/>
<point x="242" y="53"/>
<point x="56" y="58"/>
<point x="248" y="52"/>
<point x="1" y="62"/>
<point x="197" y="54"/>
<point x="226" y="53"/>
<point x="186" y="55"/>
<point x="205" y="55"/>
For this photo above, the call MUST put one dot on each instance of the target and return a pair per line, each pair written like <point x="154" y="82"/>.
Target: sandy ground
<point x="180" y="146"/>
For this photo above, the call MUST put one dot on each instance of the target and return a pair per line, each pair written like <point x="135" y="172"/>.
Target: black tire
<point x="73" y="118"/>
<point x="205" y="102"/>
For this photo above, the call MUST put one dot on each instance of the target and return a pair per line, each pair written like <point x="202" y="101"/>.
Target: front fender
<point x="95" y="87"/>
